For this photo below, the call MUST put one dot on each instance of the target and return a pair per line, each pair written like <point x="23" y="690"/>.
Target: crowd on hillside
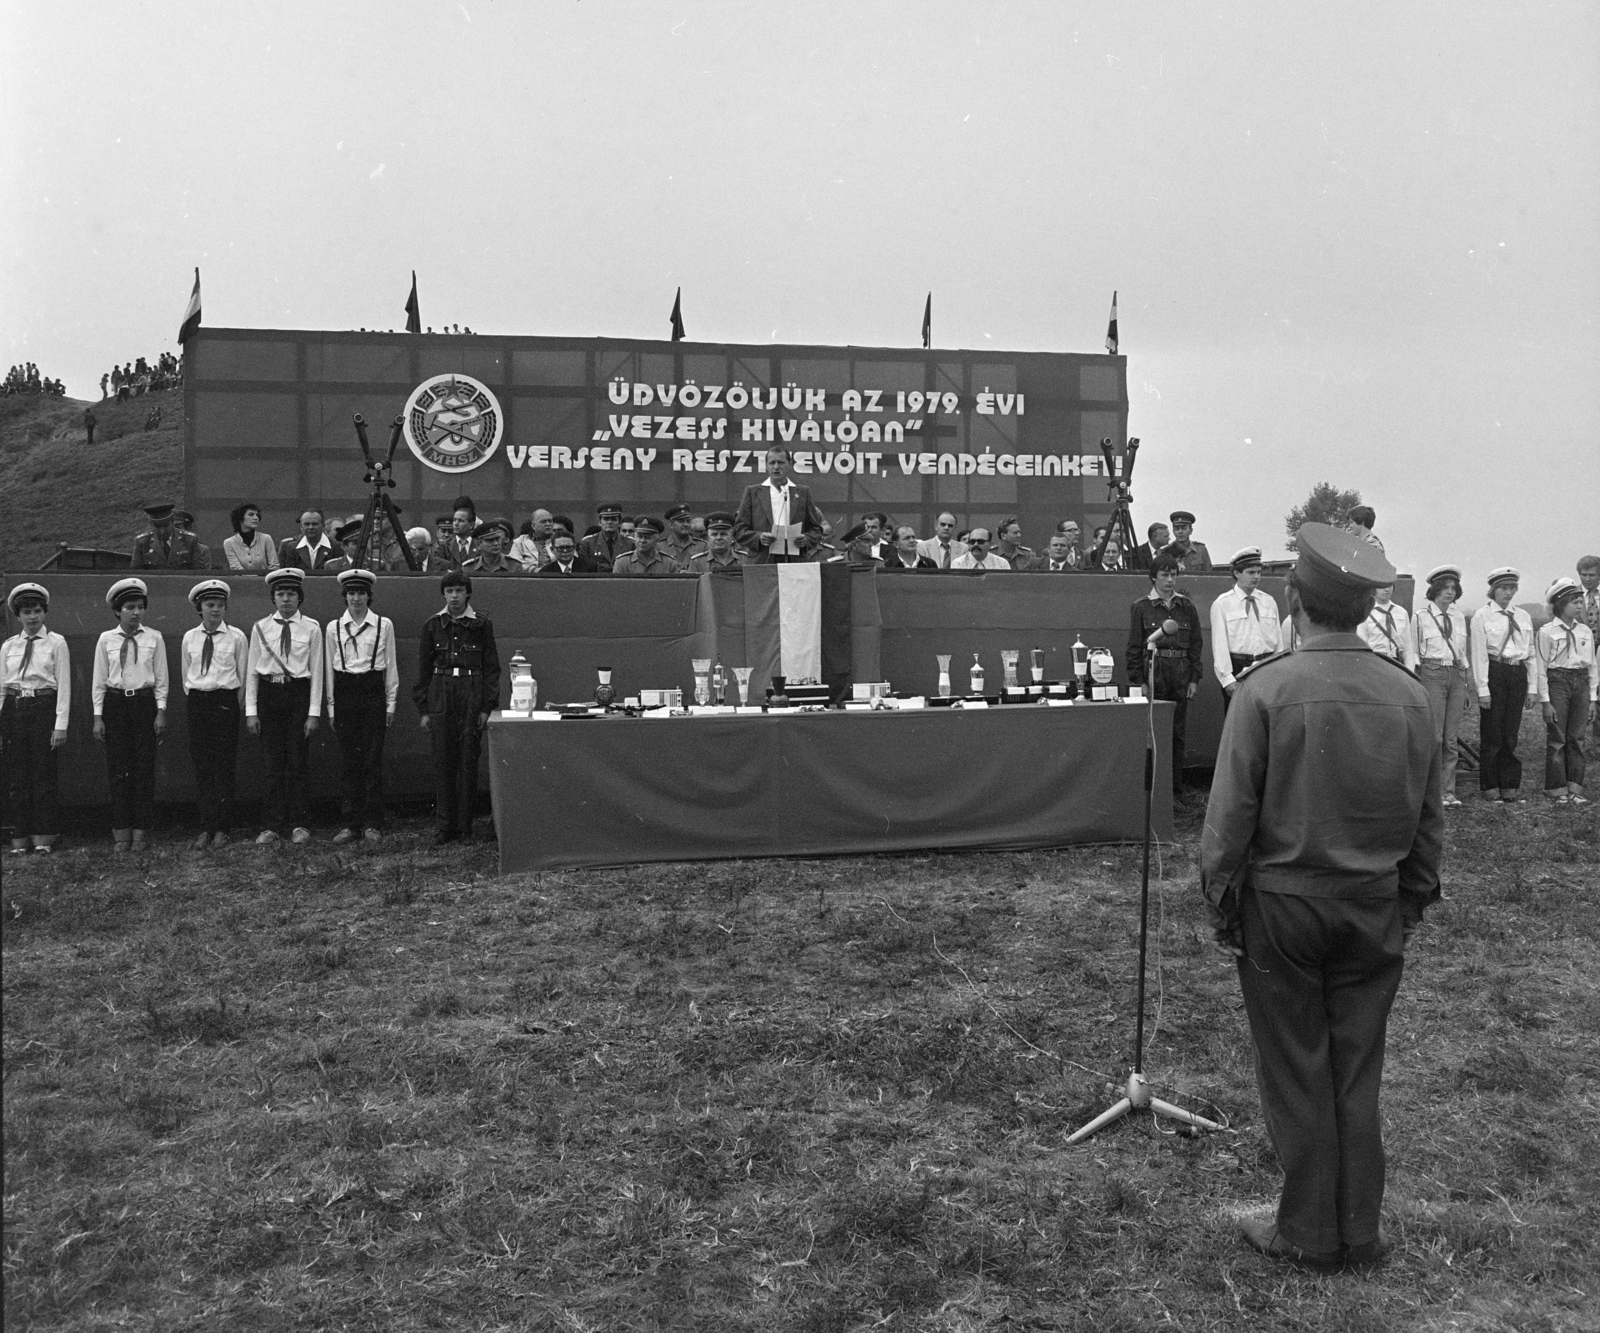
<point x="25" y="378"/>
<point x="140" y="376"/>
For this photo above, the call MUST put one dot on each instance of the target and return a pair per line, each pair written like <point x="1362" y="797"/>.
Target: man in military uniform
<point x="1321" y="851"/>
<point x="1192" y="556"/>
<point x="183" y="522"/>
<point x="857" y="550"/>
<point x="680" y="543"/>
<point x="604" y="547"/>
<point x="458" y="686"/>
<point x="1177" y="655"/>
<point x="349" y="534"/>
<point x="646" y="560"/>
<point x="165" y="547"/>
<point x="1011" y="549"/>
<point x="489" y="540"/>
<point x="720" y="552"/>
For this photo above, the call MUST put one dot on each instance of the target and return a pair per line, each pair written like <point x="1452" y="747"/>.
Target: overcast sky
<point x="1357" y="243"/>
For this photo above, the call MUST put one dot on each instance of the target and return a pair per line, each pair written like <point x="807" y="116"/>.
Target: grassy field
<point x="57" y="488"/>
<point x="328" y="1088"/>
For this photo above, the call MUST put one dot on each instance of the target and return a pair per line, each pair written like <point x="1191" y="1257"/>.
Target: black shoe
<point x="1263" y="1235"/>
<point x="1373" y="1252"/>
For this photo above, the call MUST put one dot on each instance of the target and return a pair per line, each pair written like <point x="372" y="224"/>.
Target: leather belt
<point x="133" y="694"/>
<point x="1171" y="652"/>
<point x="283" y="680"/>
<point x="457" y="671"/>
<point x="31" y="691"/>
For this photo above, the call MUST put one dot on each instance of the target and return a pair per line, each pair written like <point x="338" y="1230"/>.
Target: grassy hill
<point x="57" y="488"/>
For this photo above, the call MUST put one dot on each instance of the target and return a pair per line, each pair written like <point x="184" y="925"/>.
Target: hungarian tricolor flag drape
<point x="796" y="623"/>
<point x="413" y="308"/>
<point x="1111" y="328"/>
<point x="191" y="314"/>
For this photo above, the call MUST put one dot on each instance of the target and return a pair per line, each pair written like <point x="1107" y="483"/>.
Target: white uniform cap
<point x="1444" y="572"/>
<point x="209" y="588"/>
<point x="23" y="590"/>
<point x="124" y="588"/>
<point x="1505" y="574"/>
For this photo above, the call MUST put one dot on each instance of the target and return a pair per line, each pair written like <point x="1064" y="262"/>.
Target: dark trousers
<point x="131" y="757"/>
<point x="1499" y="768"/>
<point x="1172" y="683"/>
<point x="1563" y="738"/>
<point x="360" y="721"/>
<point x="26" y="725"/>
<point x="1238" y="662"/>
<point x="1318" y="981"/>
<point x="282" y="710"/>
<point x="214" y="747"/>
<point x="453" y="703"/>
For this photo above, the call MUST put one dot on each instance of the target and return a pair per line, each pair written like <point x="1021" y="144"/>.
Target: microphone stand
<point x="1138" y="1096"/>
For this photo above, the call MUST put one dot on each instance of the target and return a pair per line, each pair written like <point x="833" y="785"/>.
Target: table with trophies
<point x="726" y="774"/>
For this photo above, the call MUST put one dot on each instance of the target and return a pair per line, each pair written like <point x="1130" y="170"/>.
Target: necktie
<point x="1511" y="628"/>
<point x="27" y="653"/>
<point x="128" y="640"/>
<point x="1250" y="605"/>
<point x="285" y="639"/>
<point x="944" y="555"/>
<point x="1388" y="629"/>
<point x="1572" y="646"/>
<point x="208" y="651"/>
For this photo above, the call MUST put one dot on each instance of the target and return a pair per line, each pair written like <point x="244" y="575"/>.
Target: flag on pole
<point x="927" y="322"/>
<point x="1111" y="328"/>
<point x="677" y="317"/>
<point x="413" y="308"/>
<point x="191" y="314"/>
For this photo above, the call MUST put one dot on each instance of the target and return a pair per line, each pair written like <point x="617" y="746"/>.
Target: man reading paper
<point x="777" y="520"/>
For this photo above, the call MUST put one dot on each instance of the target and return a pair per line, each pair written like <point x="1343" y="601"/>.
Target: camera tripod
<point x="378" y="476"/>
<point x="1138" y="1097"/>
<point x="1121" y="523"/>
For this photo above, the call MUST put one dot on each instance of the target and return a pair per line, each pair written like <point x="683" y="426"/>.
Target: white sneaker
<point x="300" y="835"/>
<point x="345" y="835"/>
<point x="267" y="835"/>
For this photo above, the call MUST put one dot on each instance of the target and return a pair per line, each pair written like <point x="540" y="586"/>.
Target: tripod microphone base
<point x="1139" y="1099"/>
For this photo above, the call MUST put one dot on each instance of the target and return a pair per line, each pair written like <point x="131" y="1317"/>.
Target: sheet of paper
<point x="785" y="539"/>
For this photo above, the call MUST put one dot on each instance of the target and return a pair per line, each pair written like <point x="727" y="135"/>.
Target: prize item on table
<point x="702" y="680"/>
<point x="944" y="675"/>
<point x="1080" y="662"/>
<point x="776" y="698"/>
<point x="719" y="685"/>
<point x="524" y="688"/>
<point x="1037" y="654"/>
<point x="605" y="693"/>
<point x="1008" y="666"/>
<point x="741" y="676"/>
<point x="1102" y="666"/>
<point x="975" y="677"/>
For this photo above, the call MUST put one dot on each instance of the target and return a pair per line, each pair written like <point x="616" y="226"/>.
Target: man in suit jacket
<point x="1158" y="536"/>
<point x="1057" y="558"/>
<point x="311" y="550"/>
<point x="567" y="560"/>
<point x="904" y="554"/>
<point x="777" y="499"/>
<point x="943" y="547"/>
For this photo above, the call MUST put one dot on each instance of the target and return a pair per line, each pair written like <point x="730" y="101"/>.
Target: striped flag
<point x="797" y="623"/>
<point x="191" y="314"/>
<point x="1111" y="328"/>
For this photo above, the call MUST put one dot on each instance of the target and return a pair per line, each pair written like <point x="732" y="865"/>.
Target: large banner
<point x="567" y="423"/>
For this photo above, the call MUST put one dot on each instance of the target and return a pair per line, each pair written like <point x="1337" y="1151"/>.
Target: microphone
<point x="1166" y="630"/>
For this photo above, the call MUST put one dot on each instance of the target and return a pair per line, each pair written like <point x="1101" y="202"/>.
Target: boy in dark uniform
<point x="1178" y="668"/>
<point x="1321" y="851"/>
<point x="35" y="702"/>
<point x="458" y="685"/>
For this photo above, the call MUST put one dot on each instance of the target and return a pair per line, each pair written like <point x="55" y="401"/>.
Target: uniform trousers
<point x="453" y="707"/>
<point x="213" y="717"/>
<point x="360" y="718"/>
<point x="1563" y="739"/>
<point x="282" y="711"/>
<point x="130" y="722"/>
<point x="26" y="725"/>
<point x="1239" y="662"/>
<point x="1172" y="683"/>
<point x="1499" y="767"/>
<point x="1447" y="688"/>
<point x="1318" y="980"/>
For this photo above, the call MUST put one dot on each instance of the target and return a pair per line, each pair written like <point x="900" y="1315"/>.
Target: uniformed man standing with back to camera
<point x="1320" y="852"/>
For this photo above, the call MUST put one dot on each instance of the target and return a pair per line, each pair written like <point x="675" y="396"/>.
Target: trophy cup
<point x="605" y="691"/>
<point x="524" y="688"/>
<point x="719" y="685"/>
<point x="702" y="681"/>
<point x="1080" y="665"/>
<point x="975" y="676"/>
<point x="741" y="677"/>
<point x="1037" y="661"/>
<point x="1008" y="667"/>
<point x="944" y="675"/>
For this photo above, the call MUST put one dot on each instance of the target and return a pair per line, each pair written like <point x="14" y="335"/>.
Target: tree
<point x="1326" y="504"/>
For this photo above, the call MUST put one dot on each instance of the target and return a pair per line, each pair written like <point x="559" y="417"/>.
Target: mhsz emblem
<point x="453" y="423"/>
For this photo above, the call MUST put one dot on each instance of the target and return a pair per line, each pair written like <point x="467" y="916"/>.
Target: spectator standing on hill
<point x="249" y="550"/>
<point x="1321" y="851"/>
<point x="89" y="423"/>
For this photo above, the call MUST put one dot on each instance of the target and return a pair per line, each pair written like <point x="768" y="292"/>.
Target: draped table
<point x="622" y="791"/>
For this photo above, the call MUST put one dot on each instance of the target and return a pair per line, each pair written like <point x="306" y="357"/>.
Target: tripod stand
<point x="380" y="502"/>
<point x="1138" y="1096"/>
<point x="1121" y="524"/>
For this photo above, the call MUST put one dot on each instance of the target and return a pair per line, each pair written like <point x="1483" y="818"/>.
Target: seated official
<point x="646" y="560"/>
<point x="680" y="544"/>
<point x="489" y="541"/>
<point x="1011" y="549"/>
<point x="905" y="553"/>
<point x="249" y="549"/>
<point x="978" y="555"/>
<point x="183" y="522"/>
<point x="1110" y="560"/>
<point x="858" y="544"/>
<point x="1058" y="556"/>
<point x="567" y="560"/>
<point x="420" y="540"/>
<point x="348" y="534"/>
<point x="531" y="549"/>
<point x="720" y="552"/>
<point x="312" y="550"/>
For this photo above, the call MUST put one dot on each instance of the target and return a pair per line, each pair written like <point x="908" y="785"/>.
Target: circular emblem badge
<point x="453" y="423"/>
